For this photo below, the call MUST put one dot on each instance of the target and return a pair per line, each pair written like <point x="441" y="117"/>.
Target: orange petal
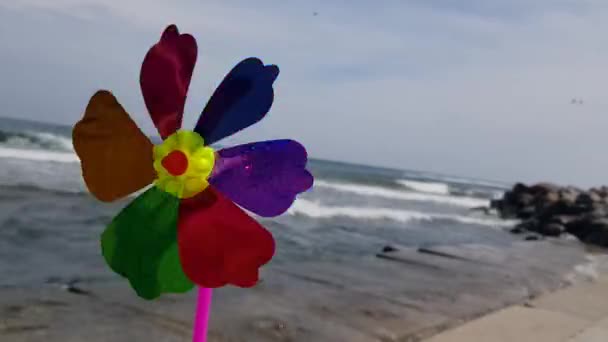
<point x="116" y="156"/>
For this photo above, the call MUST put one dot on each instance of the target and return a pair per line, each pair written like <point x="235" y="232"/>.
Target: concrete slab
<point x="517" y="324"/>
<point x="594" y="334"/>
<point x="587" y="301"/>
<point x="603" y="279"/>
<point x="603" y="324"/>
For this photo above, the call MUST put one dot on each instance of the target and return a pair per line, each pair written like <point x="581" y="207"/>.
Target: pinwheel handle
<point x="201" y="318"/>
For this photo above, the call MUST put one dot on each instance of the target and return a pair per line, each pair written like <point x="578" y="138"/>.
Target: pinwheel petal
<point x="242" y="99"/>
<point x="165" y="78"/>
<point x="116" y="156"/>
<point x="141" y="245"/>
<point x="263" y="177"/>
<point x="219" y="243"/>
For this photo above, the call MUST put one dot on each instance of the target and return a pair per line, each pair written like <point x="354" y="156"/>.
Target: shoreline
<point x="578" y="313"/>
<point x="406" y="294"/>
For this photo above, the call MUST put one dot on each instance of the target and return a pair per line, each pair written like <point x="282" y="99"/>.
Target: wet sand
<point x="405" y="295"/>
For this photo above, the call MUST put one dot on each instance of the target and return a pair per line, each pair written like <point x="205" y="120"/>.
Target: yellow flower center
<point x="183" y="163"/>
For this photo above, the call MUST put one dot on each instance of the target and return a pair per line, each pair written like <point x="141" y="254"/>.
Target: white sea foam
<point x="36" y="140"/>
<point x="52" y="140"/>
<point x="316" y="210"/>
<point x="427" y="187"/>
<point x="472" y="181"/>
<point x="38" y="155"/>
<point x="368" y="190"/>
<point x="589" y="270"/>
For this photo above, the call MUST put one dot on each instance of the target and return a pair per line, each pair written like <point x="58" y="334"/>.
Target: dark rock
<point x="562" y="219"/>
<point x="388" y="249"/>
<point x="77" y="290"/>
<point x="561" y="208"/>
<point x="524" y="200"/>
<point x="545" y="200"/>
<point x="601" y="192"/>
<point x="550" y="197"/>
<point x="526" y="212"/>
<point x="550" y="210"/>
<point x="551" y="229"/>
<point x="587" y="199"/>
<point x="588" y="228"/>
<point x="532" y="238"/>
<point x="598" y="212"/>
<point x="496" y="204"/>
<point x="517" y="230"/>
<point x="527" y="225"/>
<point x="508" y="197"/>
<point x="507" y="207"/>
<point x="72" y="287"/>
<point x="568" y="196"/>
<point x="543" y="188"/>
<point x="597" y="233"/>
<point x="508" y="212"/>
<point x="599" y="223"/>
<point x="520" y="188"/>
<point x="595" y="197"/>
<point x="579" y="226"/>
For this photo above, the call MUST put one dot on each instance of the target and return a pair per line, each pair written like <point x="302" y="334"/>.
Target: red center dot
<point x="176" y="163"/>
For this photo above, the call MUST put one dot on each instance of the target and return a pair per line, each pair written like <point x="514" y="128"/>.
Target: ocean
<point x="50" y="225"/>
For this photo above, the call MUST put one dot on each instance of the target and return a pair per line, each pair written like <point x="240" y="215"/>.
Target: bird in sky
<point x="576" y="101"/>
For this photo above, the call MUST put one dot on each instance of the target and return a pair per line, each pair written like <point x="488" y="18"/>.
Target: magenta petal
<point x="263" y="177"/>
<point x="165" y="78"/>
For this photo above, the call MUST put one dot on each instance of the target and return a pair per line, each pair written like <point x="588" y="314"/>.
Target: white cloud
<point x="467" y="87"/>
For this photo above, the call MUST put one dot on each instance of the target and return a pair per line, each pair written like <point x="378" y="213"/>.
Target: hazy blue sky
<point x="467" y="87"/>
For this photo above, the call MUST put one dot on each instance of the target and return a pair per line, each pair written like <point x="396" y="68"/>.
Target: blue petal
<point x="242" y="99"/>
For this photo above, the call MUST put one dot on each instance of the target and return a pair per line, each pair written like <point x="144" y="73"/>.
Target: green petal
<point x="172" y="279"/>
<point x="141" y="245"/>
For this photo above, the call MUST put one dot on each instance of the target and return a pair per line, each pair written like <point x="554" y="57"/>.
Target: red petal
<point x="219" y="243"/>
<point x="165" y="78"/>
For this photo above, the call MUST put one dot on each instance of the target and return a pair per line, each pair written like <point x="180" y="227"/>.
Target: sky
<point x="475" y="88"/>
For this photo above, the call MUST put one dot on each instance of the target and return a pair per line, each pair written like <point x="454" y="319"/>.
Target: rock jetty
<point x="552" y="210"/>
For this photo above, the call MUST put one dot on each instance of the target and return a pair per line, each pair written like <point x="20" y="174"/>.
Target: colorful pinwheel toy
<point x="186" y="229"/>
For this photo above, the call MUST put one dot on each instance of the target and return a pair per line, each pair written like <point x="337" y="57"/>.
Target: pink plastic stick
<point x="201" y="318"/>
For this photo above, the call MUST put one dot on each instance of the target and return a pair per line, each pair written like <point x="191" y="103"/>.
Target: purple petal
<point x="263" y="177"/>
